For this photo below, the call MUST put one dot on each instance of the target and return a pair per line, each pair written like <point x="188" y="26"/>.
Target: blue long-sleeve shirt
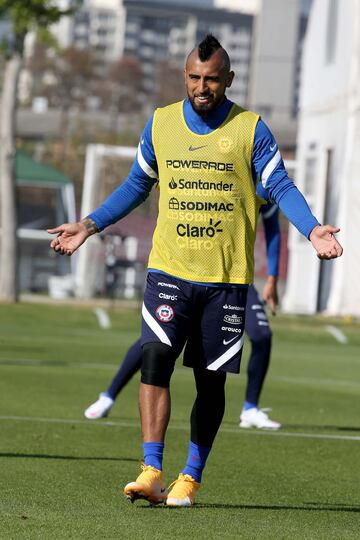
<point x="270" y="217"/>
<point x="269" y="174"/>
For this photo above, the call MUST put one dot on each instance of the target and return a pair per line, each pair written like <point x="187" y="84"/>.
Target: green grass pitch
<point x="61" y="476"/>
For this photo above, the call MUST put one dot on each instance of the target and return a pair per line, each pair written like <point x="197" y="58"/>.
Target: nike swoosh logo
<point x="192" y="148"/>
<point x="229" y="341"/>
<point x="272" y="147"/>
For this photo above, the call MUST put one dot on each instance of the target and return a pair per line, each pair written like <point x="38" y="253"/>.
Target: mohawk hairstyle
<point x="207" y="47"/>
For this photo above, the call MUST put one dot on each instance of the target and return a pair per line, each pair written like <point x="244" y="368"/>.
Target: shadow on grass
<point x="75" y="458"/>
<point x="346" y="428"/>
<point x="314" y="427"/>
<point x="307" y="507"/>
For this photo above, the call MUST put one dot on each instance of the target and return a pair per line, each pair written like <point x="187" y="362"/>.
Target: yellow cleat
<point x="183" y="491"/>
<point x="149" y="485"/>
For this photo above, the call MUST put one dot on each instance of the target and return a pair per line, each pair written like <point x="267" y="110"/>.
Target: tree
<point x="72" y="70"/>
<point x="170" y="83"/>
<point x="126" y="84"/>
<point x="26" y="16"/>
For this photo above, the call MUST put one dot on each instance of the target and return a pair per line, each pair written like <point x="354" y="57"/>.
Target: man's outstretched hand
<point x="324" y="242"/>
<point x="70" y="236"/>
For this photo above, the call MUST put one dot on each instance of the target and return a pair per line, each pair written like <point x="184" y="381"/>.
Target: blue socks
<point x="153" y="454"/>
<point x="195" y="464"/>
<point x="196" y="460"/>
<point x="247" y="405"/>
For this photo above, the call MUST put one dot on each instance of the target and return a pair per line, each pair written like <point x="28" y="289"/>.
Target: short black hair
<point x="207" y="47"/>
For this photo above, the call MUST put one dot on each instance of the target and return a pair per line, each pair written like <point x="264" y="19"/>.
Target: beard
<point x="204" y="108"/>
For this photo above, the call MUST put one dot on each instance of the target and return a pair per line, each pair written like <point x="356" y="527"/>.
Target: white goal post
<point x="86" y="268"/>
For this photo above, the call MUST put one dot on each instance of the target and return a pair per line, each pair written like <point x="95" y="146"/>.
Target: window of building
<point x="132" y="27"/>
<point x="131" y="43"/>
<point x="147" y="52"/>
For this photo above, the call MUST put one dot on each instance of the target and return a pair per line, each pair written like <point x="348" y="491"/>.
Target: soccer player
<point x="208" y="156"/>
<point x="256" y="326"/>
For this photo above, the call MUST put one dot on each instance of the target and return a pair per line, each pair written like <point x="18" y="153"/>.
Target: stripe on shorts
<point x="155" y="326"/>
<point x="226" y="356"/>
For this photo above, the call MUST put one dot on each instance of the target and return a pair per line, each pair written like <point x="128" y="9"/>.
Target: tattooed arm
<point x="70" y="236"/>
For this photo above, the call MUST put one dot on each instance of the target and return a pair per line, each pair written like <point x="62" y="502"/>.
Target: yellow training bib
<point x="208" y="207"/>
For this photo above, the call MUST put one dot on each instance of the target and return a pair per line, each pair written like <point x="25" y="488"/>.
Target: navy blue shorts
<point x="208" y="321"/>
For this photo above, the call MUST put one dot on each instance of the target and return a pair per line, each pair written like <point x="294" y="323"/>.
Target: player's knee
<point x="158" y="361"/>
<point x="262" y="337"/>
<point x="260" y="351"/>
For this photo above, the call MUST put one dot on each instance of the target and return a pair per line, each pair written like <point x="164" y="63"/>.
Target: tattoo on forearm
<point x="90" y="225"/>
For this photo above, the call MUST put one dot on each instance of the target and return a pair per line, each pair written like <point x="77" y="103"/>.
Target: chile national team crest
<point x="165" y="313"/>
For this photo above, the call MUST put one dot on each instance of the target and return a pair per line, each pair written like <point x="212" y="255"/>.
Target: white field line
<point x="337" y="334"/>
<point x="15" y="362"/>
<point x="103" y="318"/>
<point x="181" y="427"/>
